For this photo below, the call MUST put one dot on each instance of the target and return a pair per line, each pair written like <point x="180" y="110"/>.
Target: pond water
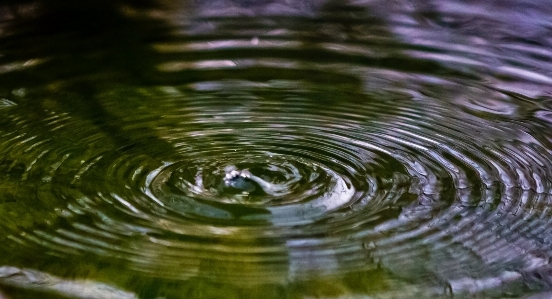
<point x="276" y="149"/>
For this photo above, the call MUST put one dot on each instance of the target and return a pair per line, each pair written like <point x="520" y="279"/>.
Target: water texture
<point x="275" y="149"/>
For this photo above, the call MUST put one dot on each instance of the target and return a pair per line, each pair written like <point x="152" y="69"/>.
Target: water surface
<point x="380" y="150"/>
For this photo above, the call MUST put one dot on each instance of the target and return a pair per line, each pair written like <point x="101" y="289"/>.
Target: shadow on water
<point x="86" y="47"/>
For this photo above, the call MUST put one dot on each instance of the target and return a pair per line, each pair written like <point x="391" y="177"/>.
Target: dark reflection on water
<point x="246" y="149"/>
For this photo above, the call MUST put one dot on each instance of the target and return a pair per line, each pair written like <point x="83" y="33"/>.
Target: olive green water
<point x="380" y="150"/>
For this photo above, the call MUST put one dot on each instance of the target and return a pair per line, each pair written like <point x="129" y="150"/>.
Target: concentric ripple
<point x="306" y="188"/>
<point x="271" y="149"/>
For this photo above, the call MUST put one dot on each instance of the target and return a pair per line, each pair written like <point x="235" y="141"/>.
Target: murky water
<point x="244" y="149"/>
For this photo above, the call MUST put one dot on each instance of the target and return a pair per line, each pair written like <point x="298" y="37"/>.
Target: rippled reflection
<point x="272" y="149"/>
